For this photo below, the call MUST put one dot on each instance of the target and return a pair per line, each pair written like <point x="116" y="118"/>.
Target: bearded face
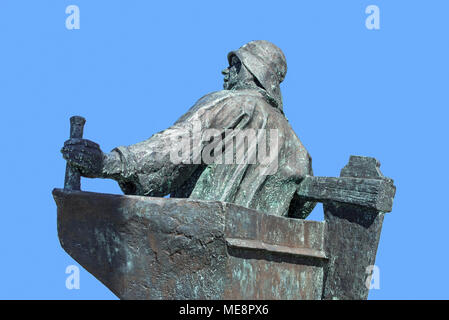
<point x="236" y="75"/>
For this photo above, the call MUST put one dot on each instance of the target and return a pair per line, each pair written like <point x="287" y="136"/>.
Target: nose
<point x="225" y="71"/>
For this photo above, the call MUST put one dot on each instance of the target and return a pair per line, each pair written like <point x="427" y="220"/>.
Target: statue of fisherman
<point x="251" y="100"/>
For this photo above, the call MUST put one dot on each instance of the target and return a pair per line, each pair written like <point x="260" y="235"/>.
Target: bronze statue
<point x="245" y="244"/>
<point x="251" y="99"/>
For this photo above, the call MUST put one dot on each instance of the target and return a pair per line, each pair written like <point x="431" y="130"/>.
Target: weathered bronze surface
<point x="159" y="248"/>
<point x="251" y="100"/>
<point x="230" y="230"/>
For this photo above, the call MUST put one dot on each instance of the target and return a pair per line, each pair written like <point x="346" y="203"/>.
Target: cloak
<point x="268" y="186"/>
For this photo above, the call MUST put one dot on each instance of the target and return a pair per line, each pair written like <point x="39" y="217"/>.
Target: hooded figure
<point x="246" y="118"/>
<point x="267" y="64"/>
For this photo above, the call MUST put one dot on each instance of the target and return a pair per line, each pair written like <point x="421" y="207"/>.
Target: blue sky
<point x="134" y="67"/>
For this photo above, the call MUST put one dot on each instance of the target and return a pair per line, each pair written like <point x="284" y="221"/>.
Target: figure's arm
<point x="146" y="168"/>
<point x="152" y="167"/>
<point x="301" y="206"/>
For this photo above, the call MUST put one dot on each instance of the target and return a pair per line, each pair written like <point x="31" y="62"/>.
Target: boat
<point x="170" y="248"/>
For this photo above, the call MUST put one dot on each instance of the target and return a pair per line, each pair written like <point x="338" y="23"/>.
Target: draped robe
<point x="148" y="167"/>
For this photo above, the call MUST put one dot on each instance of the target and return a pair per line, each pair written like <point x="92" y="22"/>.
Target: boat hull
<point x="166" y="248"/>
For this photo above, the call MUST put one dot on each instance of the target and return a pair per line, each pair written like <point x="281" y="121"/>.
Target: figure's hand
<point x="84" y="155"/>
